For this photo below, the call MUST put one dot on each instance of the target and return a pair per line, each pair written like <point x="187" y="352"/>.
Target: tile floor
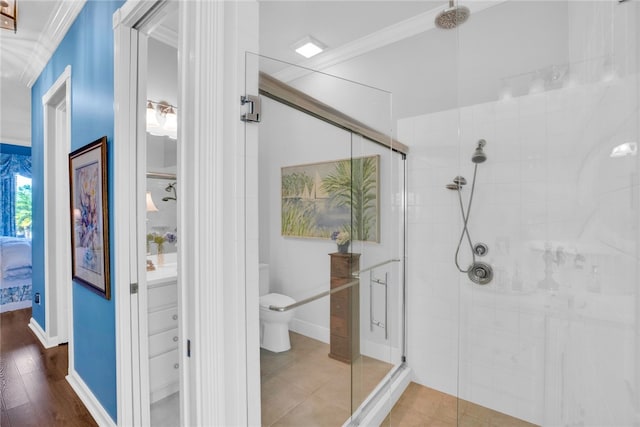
<point x="421" y="406"/>
<point x="304" y="387"/>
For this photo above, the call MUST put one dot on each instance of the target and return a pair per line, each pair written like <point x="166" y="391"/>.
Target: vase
<point x="160" y="255"/>
<point x="344" y="248"/>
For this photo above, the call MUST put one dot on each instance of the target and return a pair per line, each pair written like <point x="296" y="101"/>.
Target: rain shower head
<point x="452" y="16"/>
<point x="479" y="156"/>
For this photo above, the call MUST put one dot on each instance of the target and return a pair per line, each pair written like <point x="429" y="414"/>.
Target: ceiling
<point x="41" y="27"/>
<point x="23" y="55"/>
<point x="391" y="45"/>
<point x="398" y="49"/>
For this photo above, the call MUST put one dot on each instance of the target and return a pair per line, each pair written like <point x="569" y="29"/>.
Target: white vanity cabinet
<point x="163" y="336"/>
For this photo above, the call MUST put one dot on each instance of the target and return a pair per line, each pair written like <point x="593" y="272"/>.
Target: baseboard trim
<point x="310" y="330"/>
<point x="41" y="334"/>
<point x="87" y="397"/>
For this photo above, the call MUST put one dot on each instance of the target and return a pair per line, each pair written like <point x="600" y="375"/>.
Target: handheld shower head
<point x="458" y="182"/>
<point x="479" y="156"/>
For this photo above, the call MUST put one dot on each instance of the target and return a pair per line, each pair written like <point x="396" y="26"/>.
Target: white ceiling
<point x="391" y="45"/>
<point x="23" y="55"/>
<point x="398" y="49"/>
<point x="41" y="27"/>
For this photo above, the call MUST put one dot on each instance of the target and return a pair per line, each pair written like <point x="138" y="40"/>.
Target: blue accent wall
<point x="88" y="49"/>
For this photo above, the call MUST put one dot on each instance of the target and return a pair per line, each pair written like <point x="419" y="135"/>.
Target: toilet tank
<point x="264" y="279"/>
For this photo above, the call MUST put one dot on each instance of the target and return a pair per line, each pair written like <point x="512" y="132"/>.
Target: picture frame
<point x="318" y="199"/>
<point x="88" y="192"/>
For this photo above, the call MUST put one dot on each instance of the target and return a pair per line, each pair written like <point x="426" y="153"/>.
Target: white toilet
<point x="274" y="325"/>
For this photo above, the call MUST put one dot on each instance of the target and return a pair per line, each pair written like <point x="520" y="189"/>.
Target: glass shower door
<point x="553" y="338"/>
<point x="328" y="208"/>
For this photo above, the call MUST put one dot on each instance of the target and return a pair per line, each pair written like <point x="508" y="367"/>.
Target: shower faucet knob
<point x="481" y="249"/>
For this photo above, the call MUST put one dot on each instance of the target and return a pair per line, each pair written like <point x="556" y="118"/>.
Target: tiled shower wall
<point x="554" y="338"/>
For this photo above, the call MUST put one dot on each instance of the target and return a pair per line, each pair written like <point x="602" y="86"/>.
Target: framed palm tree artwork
<point x="319" y="199"/>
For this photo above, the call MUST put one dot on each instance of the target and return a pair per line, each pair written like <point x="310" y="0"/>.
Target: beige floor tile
<point x="279" y="397"/>
<point x="304" y="387"/>
<point x="419" y="403"/>
<point x="303" y="344"/>
<point x="337" y="391"/>
<point x="314" y="412"/>
<point x="308" y="377"/>
<point x="405" y="416"/>
<point x="466" y="420"/>
<point x="271" y="362"/>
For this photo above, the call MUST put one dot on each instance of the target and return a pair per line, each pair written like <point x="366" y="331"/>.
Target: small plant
<point x="161" y="239"/>
<point x="341" y="237"/>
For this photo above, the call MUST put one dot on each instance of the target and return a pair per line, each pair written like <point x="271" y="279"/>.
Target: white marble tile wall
<point x="554" y="331"/>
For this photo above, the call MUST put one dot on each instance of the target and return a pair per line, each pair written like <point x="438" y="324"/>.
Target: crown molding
<point x="394" y="33"/>
<point x="52" y="34"/>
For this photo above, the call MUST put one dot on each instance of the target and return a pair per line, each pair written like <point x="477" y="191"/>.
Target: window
<point x="23" y="206"/>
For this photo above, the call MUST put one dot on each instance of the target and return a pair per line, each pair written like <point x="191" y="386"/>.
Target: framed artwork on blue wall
<point x="89" y="217"/>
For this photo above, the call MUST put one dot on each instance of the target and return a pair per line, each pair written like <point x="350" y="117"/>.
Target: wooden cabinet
<point x="345" y="310"/>
<point x="163" y="338"/>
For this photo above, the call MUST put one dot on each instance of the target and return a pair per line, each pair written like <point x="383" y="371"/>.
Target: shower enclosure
<point x="553" y="87"/>
<point x="554" y="339"/>
<point x="330" y="192"/>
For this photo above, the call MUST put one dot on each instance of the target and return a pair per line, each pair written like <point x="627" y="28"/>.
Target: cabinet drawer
<point x="162" y="295"/>
<point x="163" y="370"/>
<point x="163" y="341"/>
<point x="163" y="320"/>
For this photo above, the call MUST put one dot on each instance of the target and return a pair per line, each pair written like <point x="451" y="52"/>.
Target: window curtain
<point x="13" y="160"/>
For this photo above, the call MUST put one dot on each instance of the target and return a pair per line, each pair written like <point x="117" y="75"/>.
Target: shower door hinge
<point x="134" y="288"/>
<point x="253" y="114"/>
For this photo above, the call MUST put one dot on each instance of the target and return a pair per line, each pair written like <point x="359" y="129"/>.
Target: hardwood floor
<point x="32" y="379"/>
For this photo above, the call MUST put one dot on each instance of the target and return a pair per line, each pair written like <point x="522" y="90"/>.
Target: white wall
<point x="551" y="339"/>
<point x="300" y="267"/>
<point x="15" y="113"/>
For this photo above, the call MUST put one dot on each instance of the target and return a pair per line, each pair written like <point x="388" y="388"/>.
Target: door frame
<point x="58" y="327"/>
<point x="213" y="38"/>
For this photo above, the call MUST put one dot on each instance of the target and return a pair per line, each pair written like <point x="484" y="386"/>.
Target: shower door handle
<point x="372" y="321"/>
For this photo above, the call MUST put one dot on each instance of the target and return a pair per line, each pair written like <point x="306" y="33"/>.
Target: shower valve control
<point x="480" y="273"/>
<point x="480" y="249"/>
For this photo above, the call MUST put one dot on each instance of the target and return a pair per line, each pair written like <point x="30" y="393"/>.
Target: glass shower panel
<point x="381" y="249"/>
<point x="553" y="338"/>
<point x="315" y="235"/>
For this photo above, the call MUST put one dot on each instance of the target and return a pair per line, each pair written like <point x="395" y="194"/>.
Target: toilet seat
<point x="275" y="299"/>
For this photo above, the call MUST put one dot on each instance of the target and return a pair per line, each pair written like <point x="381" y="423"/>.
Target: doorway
<point x="57" y="123"/>
<point x="157" y="310"/>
